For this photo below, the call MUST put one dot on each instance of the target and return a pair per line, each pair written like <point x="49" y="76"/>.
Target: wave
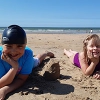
<point x="57" y="30"/>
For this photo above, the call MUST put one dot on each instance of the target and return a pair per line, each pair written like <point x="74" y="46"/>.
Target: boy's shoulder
<point x="27" y="50"/>
<point x="1" y="48"/>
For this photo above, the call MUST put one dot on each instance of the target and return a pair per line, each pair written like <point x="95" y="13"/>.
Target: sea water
<point x="59" y="30"/>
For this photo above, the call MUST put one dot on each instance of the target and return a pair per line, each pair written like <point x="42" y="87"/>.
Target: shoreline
<point x="59" y="32"/>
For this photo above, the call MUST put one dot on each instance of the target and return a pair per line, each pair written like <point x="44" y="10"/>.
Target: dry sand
<point x="72" y="84"/>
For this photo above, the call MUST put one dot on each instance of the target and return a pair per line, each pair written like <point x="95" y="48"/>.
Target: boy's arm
<point x="19" y="81"/>
<point x="8" y="77"/>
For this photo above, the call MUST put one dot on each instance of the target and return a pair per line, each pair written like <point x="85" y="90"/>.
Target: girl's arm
<point x="87" y="69"/>
<point x="14" y="85"/>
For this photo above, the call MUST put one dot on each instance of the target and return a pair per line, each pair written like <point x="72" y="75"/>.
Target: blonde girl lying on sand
<point x="89" y="59"/>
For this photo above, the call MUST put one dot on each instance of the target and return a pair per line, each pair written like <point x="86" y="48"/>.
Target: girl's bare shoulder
<point x="81" y="55"/>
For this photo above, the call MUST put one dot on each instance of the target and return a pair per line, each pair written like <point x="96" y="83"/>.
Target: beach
<point x="72" y="84"/>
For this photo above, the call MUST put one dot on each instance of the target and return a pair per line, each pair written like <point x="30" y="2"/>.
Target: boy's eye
<point x="20" y="46"/>
<point x="8" y="46"/>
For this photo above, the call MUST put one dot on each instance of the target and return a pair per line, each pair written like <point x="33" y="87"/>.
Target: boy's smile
<point x="14" y="51"/>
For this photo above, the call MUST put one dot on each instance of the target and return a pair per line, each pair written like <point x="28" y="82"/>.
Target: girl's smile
<point x="93" y="48"/>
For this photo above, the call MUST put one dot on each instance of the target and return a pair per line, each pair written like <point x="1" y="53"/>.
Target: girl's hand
<point x="96" y="75"/>
<point x="90" y="55"/>
<point x="95" y="60"/>
<point x="12" y="62"/>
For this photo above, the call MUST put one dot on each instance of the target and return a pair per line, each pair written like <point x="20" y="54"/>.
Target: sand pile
<point x="51" y="71"/>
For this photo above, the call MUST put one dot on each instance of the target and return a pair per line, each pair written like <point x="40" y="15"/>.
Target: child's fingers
<point x="5" y="57"/>
<point x="96" y="76"/>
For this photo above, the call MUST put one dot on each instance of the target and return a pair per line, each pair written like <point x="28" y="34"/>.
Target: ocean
<point x="58" y="30"/>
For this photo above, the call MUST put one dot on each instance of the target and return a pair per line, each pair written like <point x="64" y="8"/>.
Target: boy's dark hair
<point x="14" y="34"/>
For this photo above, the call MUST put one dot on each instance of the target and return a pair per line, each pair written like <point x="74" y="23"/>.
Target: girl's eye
<point x="98" y="46"/>
<point x="91" y="45"/>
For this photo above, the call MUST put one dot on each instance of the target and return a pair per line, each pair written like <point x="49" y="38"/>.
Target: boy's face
<point x="14" y="51"/>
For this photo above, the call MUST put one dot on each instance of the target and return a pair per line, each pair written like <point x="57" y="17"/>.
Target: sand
<point x="71" y="85"/>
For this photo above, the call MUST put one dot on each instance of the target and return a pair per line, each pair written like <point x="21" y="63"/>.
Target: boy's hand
<point x="8" y="59"/>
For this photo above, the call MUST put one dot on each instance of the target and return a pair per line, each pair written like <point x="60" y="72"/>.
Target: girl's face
<point x="93" y="48"/>
<point x="14" y="51"/>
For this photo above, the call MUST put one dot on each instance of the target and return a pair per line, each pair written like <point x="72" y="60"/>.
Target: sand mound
<point x="51" y="70"/>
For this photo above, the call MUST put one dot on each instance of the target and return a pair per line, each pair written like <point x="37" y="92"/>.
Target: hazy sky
<point x="50" y="13"/>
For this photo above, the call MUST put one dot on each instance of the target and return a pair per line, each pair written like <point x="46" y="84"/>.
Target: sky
<point x="50" y="13"/>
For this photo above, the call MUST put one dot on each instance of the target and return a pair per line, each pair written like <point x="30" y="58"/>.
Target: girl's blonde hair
<point x="95" y="37"/>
